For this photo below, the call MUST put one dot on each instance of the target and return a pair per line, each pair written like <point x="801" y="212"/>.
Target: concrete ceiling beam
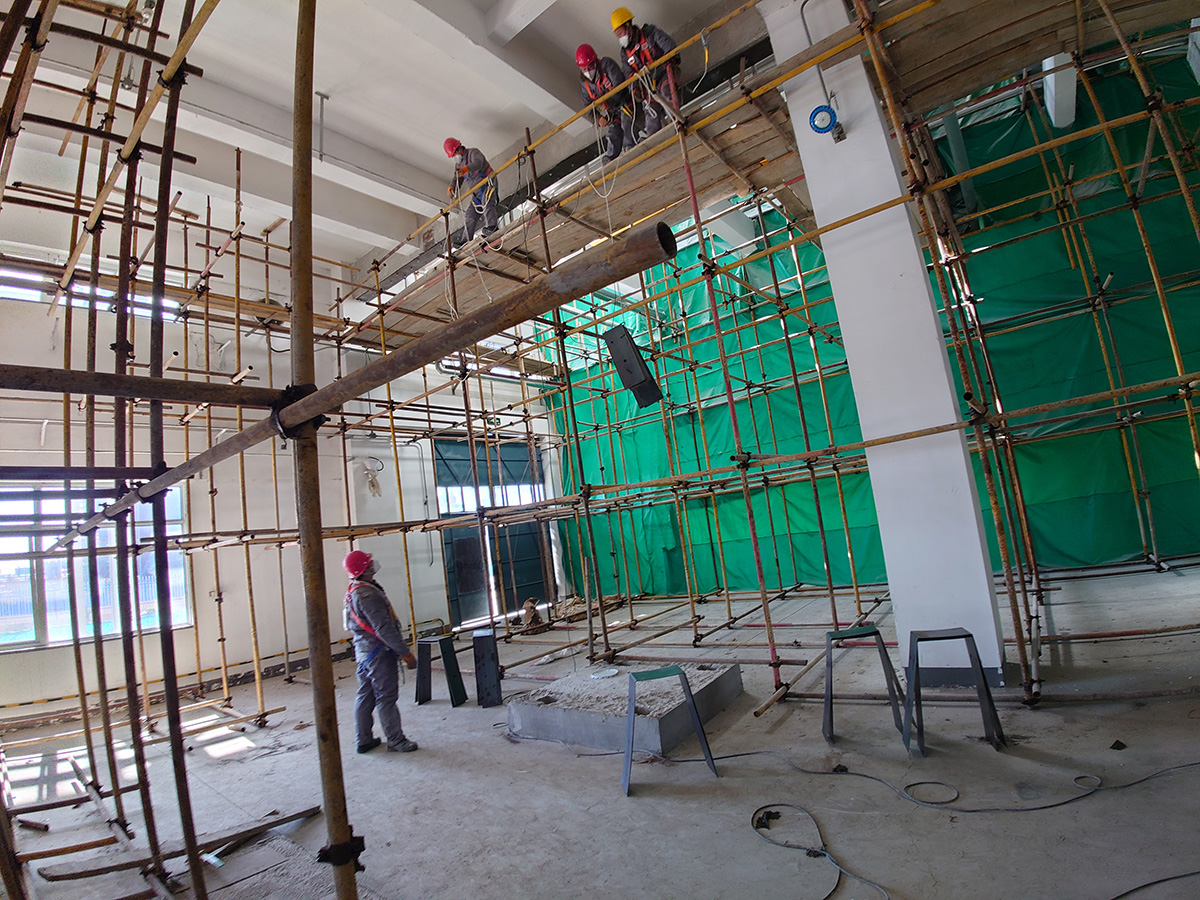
<point x="462" y="32"/>
<point x="508" y="18"/>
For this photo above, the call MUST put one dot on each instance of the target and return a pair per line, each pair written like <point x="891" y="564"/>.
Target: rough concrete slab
<point x="589" y="708"/>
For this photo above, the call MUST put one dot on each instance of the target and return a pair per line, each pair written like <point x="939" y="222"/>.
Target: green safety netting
<point x="1075" y="475"/>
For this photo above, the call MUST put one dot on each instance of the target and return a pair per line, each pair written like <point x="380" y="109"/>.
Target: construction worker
<point x="641" y="45"/>
<point x="473" y="175"/>
<point x="378" y="643"/>
<point x="596" y="78"/>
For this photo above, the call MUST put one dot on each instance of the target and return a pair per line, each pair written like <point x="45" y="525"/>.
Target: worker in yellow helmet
<point x="641" y="45"/>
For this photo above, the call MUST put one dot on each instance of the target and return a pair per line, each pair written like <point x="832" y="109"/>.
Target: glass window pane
<point x="174" y="505"/>
<point x="16" y="594"/>
<point x="58" y="609"/>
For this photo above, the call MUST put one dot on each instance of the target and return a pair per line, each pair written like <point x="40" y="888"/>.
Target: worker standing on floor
<point x="472" y="174"/>
<point x="378" y="644"/>
<point x="596" y="78"/>
<point x="641" y="45"/>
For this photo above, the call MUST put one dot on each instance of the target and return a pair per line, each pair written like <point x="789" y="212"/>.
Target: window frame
<point x="51" y="516"/>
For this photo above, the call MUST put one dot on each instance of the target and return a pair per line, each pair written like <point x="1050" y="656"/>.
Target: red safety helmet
<point x="451" y="146"/>
<point x="585" y="56"/>
<point x="357" y="562"/>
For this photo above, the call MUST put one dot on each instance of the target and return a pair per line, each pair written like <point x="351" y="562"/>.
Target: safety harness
<point x="350" y="610"/>
<point x="482" y="190"/>
<point x="641" y="54"/>
<point x="601" y="86"/>
<point x="365" y="626"/>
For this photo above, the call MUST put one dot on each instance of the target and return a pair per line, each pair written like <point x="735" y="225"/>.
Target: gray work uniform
<point x="650" y="43"/>
<point x="475" y="175"/>
<point x="377" y="654"/>
<point x="618" y="109"/>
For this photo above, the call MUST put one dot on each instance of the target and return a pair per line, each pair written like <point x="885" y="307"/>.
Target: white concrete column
<point x="932" y="532"/>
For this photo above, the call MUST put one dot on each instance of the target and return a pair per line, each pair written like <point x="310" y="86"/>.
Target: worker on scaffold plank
<point x="598" y="76"/>
<point x="641" y="46"/>
<point x="472" y="174"/>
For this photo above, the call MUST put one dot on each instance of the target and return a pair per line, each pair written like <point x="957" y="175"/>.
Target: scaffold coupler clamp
<point x="289" y="395"/>
<point x="344" y="853"/>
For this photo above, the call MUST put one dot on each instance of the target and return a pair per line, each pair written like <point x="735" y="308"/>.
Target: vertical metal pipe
<point x="12" y="27"/>
<point x="308" y="470"/>
<point x="158" y="503"/>
<point x="68" y="319"/>
<point x="130" y="615"/>
<point x="732" y="408"/>
<point x="93" y="562"/>
<point x="255" y="655"/>
<point x="283" y="624"/>
<point x="215" y="555"/>
<point x="412" y="612"/>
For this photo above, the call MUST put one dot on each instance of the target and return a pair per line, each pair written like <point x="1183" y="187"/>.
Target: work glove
<point x="410" y="661"/>
<point x="603" y="121"/>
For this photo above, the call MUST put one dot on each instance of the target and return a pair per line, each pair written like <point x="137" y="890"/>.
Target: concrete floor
<point x="475" y="814"/>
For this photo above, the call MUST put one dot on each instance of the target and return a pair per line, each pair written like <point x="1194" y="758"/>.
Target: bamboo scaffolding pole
<point x="1114" y="371"/>
<point x="11" y="28"/>
<point x="1156" y="276"/>
<point x="18" y="10"/>
<point x="135" y="134"/>
<point x="544" y="541"/>
<point x="1154" y="105"/>
<point x="158" y="502"/>
<point x="730" y="403"/>
<point x="307" y="469"/>
<point x="412" y="612"/>
<point x="93" y="567"/>
<point x="283" y="623"/>
<point x="130" y="616"/>
<point x="218" y="595"/>
<point x="20" y="84"/>
<point x="243" y="500"/>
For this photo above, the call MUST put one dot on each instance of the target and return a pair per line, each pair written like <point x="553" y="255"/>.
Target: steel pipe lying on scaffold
<point x="597" y="268"/>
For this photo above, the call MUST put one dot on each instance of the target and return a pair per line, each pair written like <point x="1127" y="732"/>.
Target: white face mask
<point x="624" y="39"/>
<point x="590" y="73"/>
<point x="376" y="566"/>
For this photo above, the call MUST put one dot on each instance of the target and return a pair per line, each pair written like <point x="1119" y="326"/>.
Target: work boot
<point x="405" y="746"/>
<point x="369" y="745"/>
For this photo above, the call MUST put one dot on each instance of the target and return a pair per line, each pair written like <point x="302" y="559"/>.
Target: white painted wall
<point x="30" y="337"/>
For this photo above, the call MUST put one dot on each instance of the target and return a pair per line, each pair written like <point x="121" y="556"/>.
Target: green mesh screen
<point x="1046" y="342"/>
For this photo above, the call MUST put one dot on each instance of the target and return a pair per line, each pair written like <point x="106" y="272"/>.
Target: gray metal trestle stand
<point x="889" y="674"/>
<point x="665" y="672"/>
<point x="912" y="703"/>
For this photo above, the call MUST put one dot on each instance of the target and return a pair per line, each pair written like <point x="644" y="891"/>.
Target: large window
<point x="35" y="586"/>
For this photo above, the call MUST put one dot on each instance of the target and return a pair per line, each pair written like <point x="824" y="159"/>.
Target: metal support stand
<point x="487" y="668"/>
<point x="665" y="672"/>
<point x="889" y="674"/>
<point x="912" y="703"/>
<point x="445" y="645"/>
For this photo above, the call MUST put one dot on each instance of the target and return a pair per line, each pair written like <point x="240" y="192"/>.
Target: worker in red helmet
<point x="641" y="45"/>
<point x="378" y="643"/>
<point x="596" y="78"/>
<point x="472" y="175"/>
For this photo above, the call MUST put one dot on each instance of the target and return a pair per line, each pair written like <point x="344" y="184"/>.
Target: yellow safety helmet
<point x="621" y="16"/>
